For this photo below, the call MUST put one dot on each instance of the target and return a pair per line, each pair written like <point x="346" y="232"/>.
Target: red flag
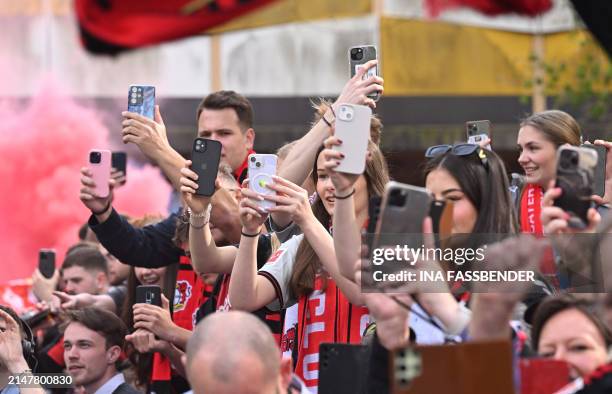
<point x="491" y="7"/>
<point x="111" y="26"/>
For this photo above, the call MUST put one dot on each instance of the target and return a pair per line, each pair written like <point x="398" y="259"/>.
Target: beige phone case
<point x="353" y="129"/>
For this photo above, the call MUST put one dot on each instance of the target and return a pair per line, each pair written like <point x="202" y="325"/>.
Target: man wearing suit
<point x="93" y="341"/>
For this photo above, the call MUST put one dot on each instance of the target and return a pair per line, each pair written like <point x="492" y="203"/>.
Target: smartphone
<point x="353" y="128"/>
<point x="575" y="176"/>
<point x="403" y="209"/>
<point x="141" y="100"/>
<point x="360" y="55"/>
<point x="261" y="168"/>
<point x="599" y="186"/>
<point x="342" y="368"/>
<point x="441" y="213"/>
<point x="119" y="161"/>
<point x="205" y="158"/>
<point x="46" y="262"/>
<point x="477" y="131"/>
<point x="100" y="166"/>
<point x="148" y="295"/>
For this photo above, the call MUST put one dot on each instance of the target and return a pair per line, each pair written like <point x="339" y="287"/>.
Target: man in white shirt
<point x="93" y="341"/>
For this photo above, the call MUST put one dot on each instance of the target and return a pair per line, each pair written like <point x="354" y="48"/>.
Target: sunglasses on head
<point x="458" y="150"/>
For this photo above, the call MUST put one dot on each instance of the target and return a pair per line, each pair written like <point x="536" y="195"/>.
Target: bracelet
<point x="344" y="197"/>
<point x="327" y="121"/>
<point x="249" y="235"/>
<point x="98" y="213"/>
<point x="205" y="215"/>
<point x="331" y="107"/>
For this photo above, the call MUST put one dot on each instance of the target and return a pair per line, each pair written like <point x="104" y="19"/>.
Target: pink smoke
<point x="43" y="145"/>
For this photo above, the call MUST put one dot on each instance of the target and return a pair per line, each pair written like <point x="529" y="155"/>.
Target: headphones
<point x="28" y="344"/>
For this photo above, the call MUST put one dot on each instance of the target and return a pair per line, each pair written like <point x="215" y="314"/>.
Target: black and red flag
<point x="112" y="26"/>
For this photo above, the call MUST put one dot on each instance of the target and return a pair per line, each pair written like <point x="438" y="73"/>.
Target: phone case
<point x="353" y="128"/>
<point x="100" y="165"/>
<point x="141" y="100"/>
<point x="119" y="161"/>
<point x="46" y="262"/>
<point x="261" y="168"/>
<point x="404" y="208"/>
<point x="342" y="368"/>
<point x="205" y="158"/>
<point x="575" y="176"/>
<point x="368" y="52"/>
<point x="478" y="130"/>
<point x="599" y="186"/>
<point x="148" y="295"/>
<point x="464" y="368"/>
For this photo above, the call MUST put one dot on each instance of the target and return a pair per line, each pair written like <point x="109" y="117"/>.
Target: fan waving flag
<point x="112" y="26"/>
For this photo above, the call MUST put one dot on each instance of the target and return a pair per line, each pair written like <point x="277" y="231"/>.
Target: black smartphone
<point x="205" y="158"/>
<point x="46" y="262"/>
<point x="148" y="295"/>
<point x="360" y="55"/>
<point x="599" y="184"/>
<point x="342" y="368"/>
<point x="575" y="176"/>
<point x="119" y="161"/>
<point x="477" y="131"/>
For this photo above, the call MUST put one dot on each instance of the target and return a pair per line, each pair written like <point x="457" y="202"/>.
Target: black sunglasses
<point x="458" y="150"/>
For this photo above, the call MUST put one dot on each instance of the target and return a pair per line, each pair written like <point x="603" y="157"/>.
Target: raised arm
<point x="293" y="201"/>
<point x="151" y="138"/>
<point x="297" y="165"/>
<point x="247" y="290"/>
<point x="206" y="257"/>
<point x="151" y="246"/>
<point x="347" y="237"/>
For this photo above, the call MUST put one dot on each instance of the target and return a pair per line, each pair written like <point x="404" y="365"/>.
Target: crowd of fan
<point x="250" y="294"/>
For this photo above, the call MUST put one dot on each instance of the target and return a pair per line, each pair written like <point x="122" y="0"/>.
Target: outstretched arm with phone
<point x="151" y="138"/>
<point x="297" y="165"/>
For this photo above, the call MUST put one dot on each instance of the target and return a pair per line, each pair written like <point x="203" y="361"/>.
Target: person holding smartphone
<point x="304" y="269"/>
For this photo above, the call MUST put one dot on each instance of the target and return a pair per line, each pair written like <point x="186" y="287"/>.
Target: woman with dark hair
<point x="569" y="329"/>
<point x="304" y="269"/>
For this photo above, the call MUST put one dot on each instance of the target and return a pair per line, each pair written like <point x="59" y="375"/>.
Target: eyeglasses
<point x="458" y="150"/>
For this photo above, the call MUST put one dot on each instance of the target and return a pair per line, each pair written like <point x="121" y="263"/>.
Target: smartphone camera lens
<point x="95" y="157"/>
<point x="258" y="164"/>
<point x="253" y="159"/>
<point x="397" y="198"/>
<point x="356" y="54"/>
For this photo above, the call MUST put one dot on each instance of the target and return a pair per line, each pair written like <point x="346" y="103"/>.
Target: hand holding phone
<point x="148" y="295"/>
<point x="46" y="262"/>
<point x="205" y="158"/>
<point x="478" y="131"/>
<point x="261" y="168"/>
<point x="575" y="176"/>
<point x="100" y="166"/>
<point x="141" y="100"/>
<point x="358" y="57"/>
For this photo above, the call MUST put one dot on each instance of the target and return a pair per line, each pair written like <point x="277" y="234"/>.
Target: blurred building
<point x="438" y="73"/>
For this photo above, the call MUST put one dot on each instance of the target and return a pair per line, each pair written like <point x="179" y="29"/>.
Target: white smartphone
<point x="261" y="169"/>
<point x="353" y="129"/>
<point x="478" y="131"/>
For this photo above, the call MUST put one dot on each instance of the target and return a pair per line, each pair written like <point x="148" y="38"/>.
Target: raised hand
<point x="94" y="203"/>
<point x="149" y="135"/>
<point x="290" y="199"/>
<point x="188" y="182"/>
<point x="357" y="89"/>
<point x="252" y="216"/>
